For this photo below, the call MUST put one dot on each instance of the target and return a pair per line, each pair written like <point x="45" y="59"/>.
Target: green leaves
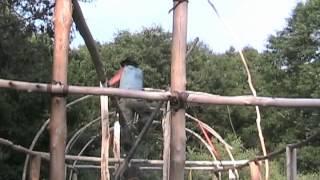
<point x="290" y="67"/>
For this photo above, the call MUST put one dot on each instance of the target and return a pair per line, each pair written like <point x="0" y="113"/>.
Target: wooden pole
<point x="152" y="168"/>
<point x="166" y="122"/>
<point x="92" y="47"/>
<point x="88" y="39"/>
<point x="178" y="84"/>
<point x="105" y="137"/>
<point x="41" y="130"/>
<point x="78" y="133"/>
<point x="192" y="97"/>
<point x="35" y="165"/>
<point x="291" y="163"/>
<point x="34" y="141"/>
<point x="233" y="164"/>
<point x="58" y="125"/>
<point x="46" y="156"/>
<point x="116" y="141"/>
<point x="79" y="154"/>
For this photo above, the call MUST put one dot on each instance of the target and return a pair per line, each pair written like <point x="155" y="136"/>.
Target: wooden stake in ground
<point x="116" y="141"/>
<point x="291" y="163"/>
<point x="166" y="121"/>
<point x="105" y="136"/>
<point x="178" y="84"/>
<point x="58" y="125"/>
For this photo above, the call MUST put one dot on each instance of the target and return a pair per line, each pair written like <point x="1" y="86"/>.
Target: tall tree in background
<point x="23" y="56"/>
<point x="34" y="15"/>
<point x="294" y="61"/>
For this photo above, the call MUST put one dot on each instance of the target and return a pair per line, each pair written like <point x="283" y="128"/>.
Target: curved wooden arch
<point x="80" y="153"/>
<point x="40" y="131"/>
<point x="78" y="133"/>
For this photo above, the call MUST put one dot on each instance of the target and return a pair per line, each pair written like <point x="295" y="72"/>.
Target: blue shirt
<point x="131" y="78"/>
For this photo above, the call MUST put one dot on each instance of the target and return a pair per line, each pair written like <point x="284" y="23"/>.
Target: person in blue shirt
<point x="130" y="76"/>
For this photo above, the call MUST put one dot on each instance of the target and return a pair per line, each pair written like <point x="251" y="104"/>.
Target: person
<point x="130" y="76"/>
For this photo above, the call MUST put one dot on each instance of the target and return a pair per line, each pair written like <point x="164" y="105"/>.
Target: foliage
<point x="288" y="68"/>
<point x="293" y="58"/>
<point x="34" y="15"/>
<point x="22" y="57"/>
<point x="312" y="176"/>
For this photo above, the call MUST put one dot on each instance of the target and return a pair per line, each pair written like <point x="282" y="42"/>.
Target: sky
<point x="251" y="21"/>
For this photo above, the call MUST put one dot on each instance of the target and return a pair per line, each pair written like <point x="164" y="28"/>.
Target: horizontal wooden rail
<point x="188" y="96"/>
<point x="64" y="90"/>
<point x="143" y="162"/>
<point x="152" y="168"/>
<point x="140" y="162"/>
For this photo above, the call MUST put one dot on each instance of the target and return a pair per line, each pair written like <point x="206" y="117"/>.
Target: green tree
<point x="23" y="56"/>
<point x="292" y="58"/>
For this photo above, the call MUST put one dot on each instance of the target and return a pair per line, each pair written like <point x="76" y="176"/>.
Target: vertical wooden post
<point x="291" y="163"/>
<point x="178" y="84"/>
<point x="35" y="164"/>
<point x="116" y="142"/>
<point x="105" y="137"/>
<point x="58" y="125"/>
<point x="166" y="122"/>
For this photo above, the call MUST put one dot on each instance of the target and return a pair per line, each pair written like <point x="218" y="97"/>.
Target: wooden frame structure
<point x="64" y="11"/>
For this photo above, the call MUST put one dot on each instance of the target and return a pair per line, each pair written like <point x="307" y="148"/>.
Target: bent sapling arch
<point x="40" y="131"/>
<point x="80" y="153"/>
<point x="78" y="133"/>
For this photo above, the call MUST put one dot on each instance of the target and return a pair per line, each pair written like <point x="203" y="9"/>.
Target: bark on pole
<point x="178" y="84"/>
<point x="58" y="125"/>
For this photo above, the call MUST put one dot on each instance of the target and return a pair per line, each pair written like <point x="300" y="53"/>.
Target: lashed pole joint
<point x="64" y="89"/>
<point x="178" y="100"/>
<point x="177" y="4"/>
